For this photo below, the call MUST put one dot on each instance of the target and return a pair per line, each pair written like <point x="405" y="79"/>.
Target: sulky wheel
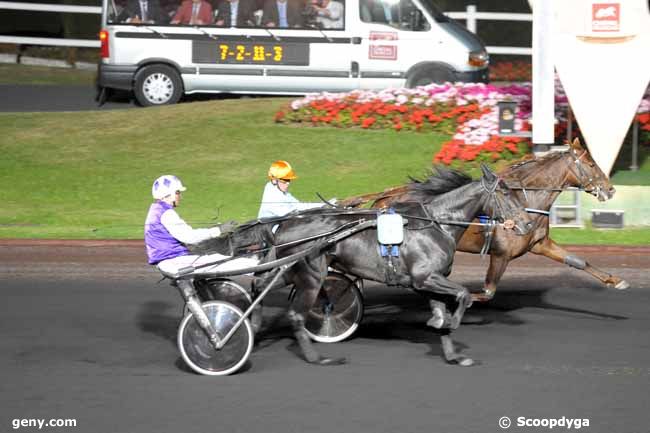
<point x="198" y="352"/>
<point x="222" y="290"/>
<point x="337" y="312"/>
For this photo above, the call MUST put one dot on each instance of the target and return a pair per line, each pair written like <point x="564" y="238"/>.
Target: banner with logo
<point x="602" y="56"/>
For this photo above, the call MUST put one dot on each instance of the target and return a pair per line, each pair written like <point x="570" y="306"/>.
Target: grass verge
<point x="590" y="236"/>
<point x="43" y="75"/>
<point x="89" y="175"/>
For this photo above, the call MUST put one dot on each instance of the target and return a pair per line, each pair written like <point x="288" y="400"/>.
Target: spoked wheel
<point x="337" y="312"/>
<point x="198" y="352"/>
<point x="222" y="290"/>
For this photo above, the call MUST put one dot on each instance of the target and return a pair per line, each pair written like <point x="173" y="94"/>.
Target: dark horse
<point x="425" y="256"/>
<point x="537" y="183"/>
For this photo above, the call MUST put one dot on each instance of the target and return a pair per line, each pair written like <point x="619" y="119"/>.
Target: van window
<point x="288" y="14"/>
<point x="400" y="14"/>
<point x="324" y="14"/>
<point x="433" y="10"/>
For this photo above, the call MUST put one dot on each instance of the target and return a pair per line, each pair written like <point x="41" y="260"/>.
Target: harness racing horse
<point x="435" y="223"/>
<point x="537" y="183"/>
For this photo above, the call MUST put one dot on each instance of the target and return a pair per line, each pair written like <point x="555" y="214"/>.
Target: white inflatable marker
<point x="602" y="56"/>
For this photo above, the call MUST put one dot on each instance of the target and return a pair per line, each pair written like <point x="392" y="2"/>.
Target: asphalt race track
<point x="28" y="98"/>
<point x="88" y="334"/>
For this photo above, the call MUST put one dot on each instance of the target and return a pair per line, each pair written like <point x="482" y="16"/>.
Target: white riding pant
<point x="172" y="266"/>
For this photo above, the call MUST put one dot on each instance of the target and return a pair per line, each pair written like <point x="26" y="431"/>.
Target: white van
<point x="280" y="47"/>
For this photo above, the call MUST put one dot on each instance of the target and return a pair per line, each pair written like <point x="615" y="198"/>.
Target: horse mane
<point x="528" y="166"/>
<point x="439" y="181"/>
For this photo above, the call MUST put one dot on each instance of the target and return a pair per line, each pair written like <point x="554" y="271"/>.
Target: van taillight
<point x="103" y="39"/>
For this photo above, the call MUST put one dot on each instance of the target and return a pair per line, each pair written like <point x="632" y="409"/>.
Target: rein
<point x="583" y="176"/>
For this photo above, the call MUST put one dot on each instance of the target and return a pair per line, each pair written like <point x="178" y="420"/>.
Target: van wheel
<point x="157" y="85"/>
<point x="430" y="74"/>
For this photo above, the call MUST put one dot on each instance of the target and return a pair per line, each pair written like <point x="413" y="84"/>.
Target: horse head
<point x="502" y="205"/>
<point x="585" y="173"/>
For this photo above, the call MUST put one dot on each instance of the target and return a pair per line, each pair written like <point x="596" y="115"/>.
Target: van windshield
<point x="434" y="11"/>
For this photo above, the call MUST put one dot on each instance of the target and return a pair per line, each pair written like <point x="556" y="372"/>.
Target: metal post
<point x="635" y="146"/>
<point x="569" y="124"/>
<point x="471" y="18"/>
<point x="577" y="201"/>
<point x="543" y="77"/>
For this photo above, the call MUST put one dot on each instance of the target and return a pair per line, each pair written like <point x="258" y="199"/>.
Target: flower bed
<point x="465" y="111"/>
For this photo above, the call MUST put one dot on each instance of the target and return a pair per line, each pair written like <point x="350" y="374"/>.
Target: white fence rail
<point x="471" y="16"/>
<point x="49" y="7"/>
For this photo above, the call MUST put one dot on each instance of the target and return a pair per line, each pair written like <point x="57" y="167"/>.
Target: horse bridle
<point x="492" y="191"/>
<point x="582" y="175"/>
<point x="587" y="186"/>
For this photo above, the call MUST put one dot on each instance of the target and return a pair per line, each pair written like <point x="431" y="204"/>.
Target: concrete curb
<point x="140" y="243"/>
<point x="37" y="61"/>
<point x="72" y="243"/>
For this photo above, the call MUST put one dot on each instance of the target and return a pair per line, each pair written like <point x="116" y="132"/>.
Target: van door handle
<point x="356" y="40"/>
<point x="354" y="68"/>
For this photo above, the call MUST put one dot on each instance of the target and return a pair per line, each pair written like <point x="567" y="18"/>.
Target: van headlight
<point x="478" y="58"/>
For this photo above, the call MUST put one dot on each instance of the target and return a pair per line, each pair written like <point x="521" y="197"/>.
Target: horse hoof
<point x="482" y="297"/>
<point x="462" y="361"/>
<point x="479" y="297"/>
<point x="622" y="285"/>
<point x="329" y="361"/>
<point x="466" y="362"/>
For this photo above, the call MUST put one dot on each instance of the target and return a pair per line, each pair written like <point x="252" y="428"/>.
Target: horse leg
<point x="498" y="265"/>
<point x="436" y="284"/>
<point x="308" y="283"/>
<point x="451" y="356"/>
<point x="548" y="248"/>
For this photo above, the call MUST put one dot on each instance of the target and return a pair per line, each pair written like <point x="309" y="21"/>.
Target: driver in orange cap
<point x="277" y="200"/>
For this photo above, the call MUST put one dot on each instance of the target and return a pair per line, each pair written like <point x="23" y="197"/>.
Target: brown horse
<point x="537" y="182"/>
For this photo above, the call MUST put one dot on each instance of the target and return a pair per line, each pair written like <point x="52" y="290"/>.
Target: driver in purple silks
<point x="166" y="234"/>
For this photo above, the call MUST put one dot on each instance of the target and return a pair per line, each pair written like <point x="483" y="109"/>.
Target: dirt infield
<point x="134" y="243"/>
<point x="20" y="256"/>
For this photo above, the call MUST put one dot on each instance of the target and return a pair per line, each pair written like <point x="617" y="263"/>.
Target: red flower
<point x="367" y="122"/>
<point x="643" y="117"/>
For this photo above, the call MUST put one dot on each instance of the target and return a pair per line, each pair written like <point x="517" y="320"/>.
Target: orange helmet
<point x="281" y="170"/>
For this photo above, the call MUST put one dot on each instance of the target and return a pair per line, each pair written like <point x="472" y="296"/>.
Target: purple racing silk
<point x="160" y="244"/>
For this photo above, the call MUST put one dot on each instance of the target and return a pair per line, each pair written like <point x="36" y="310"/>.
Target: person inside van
<point x="236" y="13"/>
<point x="282" y="14"/>
<point x="379" y="11"/>
<point x="142" y="12"/>
<point x="193" y="12"/>
<point x="277" y="200"/>
<point x="329" y="13"/>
